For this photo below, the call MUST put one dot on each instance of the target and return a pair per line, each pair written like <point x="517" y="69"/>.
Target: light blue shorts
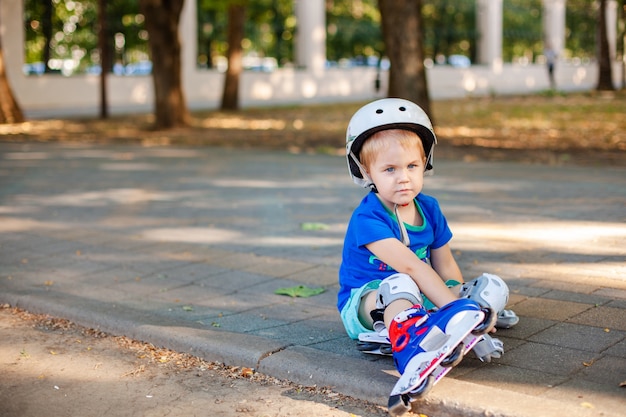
<point x="350" y="312"/>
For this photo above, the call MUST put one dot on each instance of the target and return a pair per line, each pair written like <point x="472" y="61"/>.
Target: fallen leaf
<point x="135" y="372"/>
<point x="187" y="308"/>
<point x="313" y="226"/>
<point x="586" y="405"/>
<point x="299" y="291"/>
<point x="591" y="362"/>
<point x="622" y="384"/>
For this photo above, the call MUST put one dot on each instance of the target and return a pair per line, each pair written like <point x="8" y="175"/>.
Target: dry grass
<point x="555" y="129"/>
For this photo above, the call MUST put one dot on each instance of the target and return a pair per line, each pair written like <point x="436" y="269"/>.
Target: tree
<point x="605" y="73"/>
<point x="622" y="40"/>
<point x="236" y="22"/>
<point x="402" y="29"/>
<point x="162" y="21"/>
<point x="46" y="28"/>
<point x="10" y="111"/>
<point x="105" y="57"/>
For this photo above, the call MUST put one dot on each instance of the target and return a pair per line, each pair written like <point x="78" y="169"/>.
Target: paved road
<point x="185" y="247"/>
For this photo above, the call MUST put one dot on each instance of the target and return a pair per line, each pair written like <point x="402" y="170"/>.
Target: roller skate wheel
<point x="488" y="322"/>
<point x="423" y="389"/>
<point x="386" y="349"/>
<point x="366" y="346"/>
<point x="454" y="357"/>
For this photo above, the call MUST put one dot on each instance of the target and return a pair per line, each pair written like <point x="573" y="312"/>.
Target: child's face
<point x="398" y="173"/>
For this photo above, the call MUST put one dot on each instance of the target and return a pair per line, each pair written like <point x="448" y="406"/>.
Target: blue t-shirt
<point x="372" y="221"/>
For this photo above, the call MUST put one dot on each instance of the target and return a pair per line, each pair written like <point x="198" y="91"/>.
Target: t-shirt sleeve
<point x="372" y="226"/>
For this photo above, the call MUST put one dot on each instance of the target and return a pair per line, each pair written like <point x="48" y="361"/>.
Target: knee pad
<point x="397" y="287"/>
<point x="488" y="290"/>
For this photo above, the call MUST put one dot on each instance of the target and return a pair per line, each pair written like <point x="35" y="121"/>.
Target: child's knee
<point x="488" y="290"/>
<point x="397" y="287"/>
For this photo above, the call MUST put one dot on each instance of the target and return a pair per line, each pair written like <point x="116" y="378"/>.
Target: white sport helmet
<point x="383" y="114"/>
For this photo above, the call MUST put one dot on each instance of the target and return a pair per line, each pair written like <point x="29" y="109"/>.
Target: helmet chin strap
<point x="404" y="236"/>
<point x="364" y="173"/>
<point x="403" y="233"/>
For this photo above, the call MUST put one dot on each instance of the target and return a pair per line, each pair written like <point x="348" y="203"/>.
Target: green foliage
<point x="269" y="31"/>
<point x="449" y="28"/>
<point x="522" y="30"/>
<point x="70" y="26"/>
<point x="581" y="32"/>
<point x="72" y="44"/>
<point x="353" y="30"/>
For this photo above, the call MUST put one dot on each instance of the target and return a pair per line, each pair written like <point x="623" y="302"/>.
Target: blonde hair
<point x="381" y="140"/>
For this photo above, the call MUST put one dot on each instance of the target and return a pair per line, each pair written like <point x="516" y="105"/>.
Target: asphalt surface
<point x="185" y="248"/>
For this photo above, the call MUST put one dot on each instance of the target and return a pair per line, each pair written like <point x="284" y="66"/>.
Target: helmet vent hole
<point x="402" y="108"/>
<point x="379" y="111"/>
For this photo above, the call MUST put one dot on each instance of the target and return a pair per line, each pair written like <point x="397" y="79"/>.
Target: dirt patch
<point x="582" y="129"/>
<point x="52" y="367"/>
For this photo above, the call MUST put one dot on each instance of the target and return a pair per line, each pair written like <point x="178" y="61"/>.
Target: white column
<point x="611" y="27"/>
<point x="554" y="25"/>
<point x="311" y="35"/>
<point x="489" y="25"/>
<point x="187" y="30"/>
<point x="12" y="31"/>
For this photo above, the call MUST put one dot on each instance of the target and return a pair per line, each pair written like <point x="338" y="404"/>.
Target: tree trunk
<point x="623" y="37"/>
<point x="236" y="21"/>
<point x="605" y="72"/>
<point x="162" y="20"/>
<point x="402" y="28"/>
<point x="10" y="111"/>
<point x="46" y="28"/>
<point x="105" y="58"/>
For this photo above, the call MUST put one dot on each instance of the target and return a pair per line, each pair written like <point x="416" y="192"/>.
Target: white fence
<point x="56" y="95"/>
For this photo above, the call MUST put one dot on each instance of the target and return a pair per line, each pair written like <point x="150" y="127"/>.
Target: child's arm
<point x="395" y="254"/>
<point x="444" y="263"/>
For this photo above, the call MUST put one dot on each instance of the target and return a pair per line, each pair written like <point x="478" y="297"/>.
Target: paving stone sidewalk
<point x="185" y="248"/>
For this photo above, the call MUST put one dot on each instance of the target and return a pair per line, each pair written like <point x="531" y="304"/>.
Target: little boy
<point x="396" y="246"/>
